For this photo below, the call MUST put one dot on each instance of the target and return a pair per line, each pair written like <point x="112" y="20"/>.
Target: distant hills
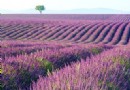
<point x="99" y="11"/>
<point x="89" y="11"/>
<point x="74" y="11"/>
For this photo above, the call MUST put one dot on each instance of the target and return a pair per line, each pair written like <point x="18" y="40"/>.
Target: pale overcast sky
<point x="16" y="5"/>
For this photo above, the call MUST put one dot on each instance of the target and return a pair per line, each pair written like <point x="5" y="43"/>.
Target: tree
<point x="40" y="8"/>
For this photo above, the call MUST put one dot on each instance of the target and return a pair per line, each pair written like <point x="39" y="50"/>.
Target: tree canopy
<point x="40" y="8"/>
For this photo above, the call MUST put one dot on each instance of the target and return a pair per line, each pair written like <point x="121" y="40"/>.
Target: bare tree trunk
<point x="40" y="12"/>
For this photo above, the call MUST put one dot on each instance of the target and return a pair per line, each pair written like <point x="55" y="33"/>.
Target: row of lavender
<point x="83" y="32"/>
<point x="109" y="70"/>
<point x="50" y="17"/>
<point x="14" y="48"/>
<point x="18" y="71"/>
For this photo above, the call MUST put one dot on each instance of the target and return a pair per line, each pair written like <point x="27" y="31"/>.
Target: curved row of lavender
<point x="108" y="71"/>
<point x="113" y="33"/>
<point x="18" y="71"/>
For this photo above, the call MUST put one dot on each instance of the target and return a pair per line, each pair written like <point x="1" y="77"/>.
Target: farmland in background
<point x="65" y="52"/>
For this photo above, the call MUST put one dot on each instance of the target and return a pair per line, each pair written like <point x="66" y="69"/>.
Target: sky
<point x="14" y="6"/>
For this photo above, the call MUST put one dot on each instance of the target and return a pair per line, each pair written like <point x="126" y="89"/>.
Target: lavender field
<point x="65" y="52"/>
